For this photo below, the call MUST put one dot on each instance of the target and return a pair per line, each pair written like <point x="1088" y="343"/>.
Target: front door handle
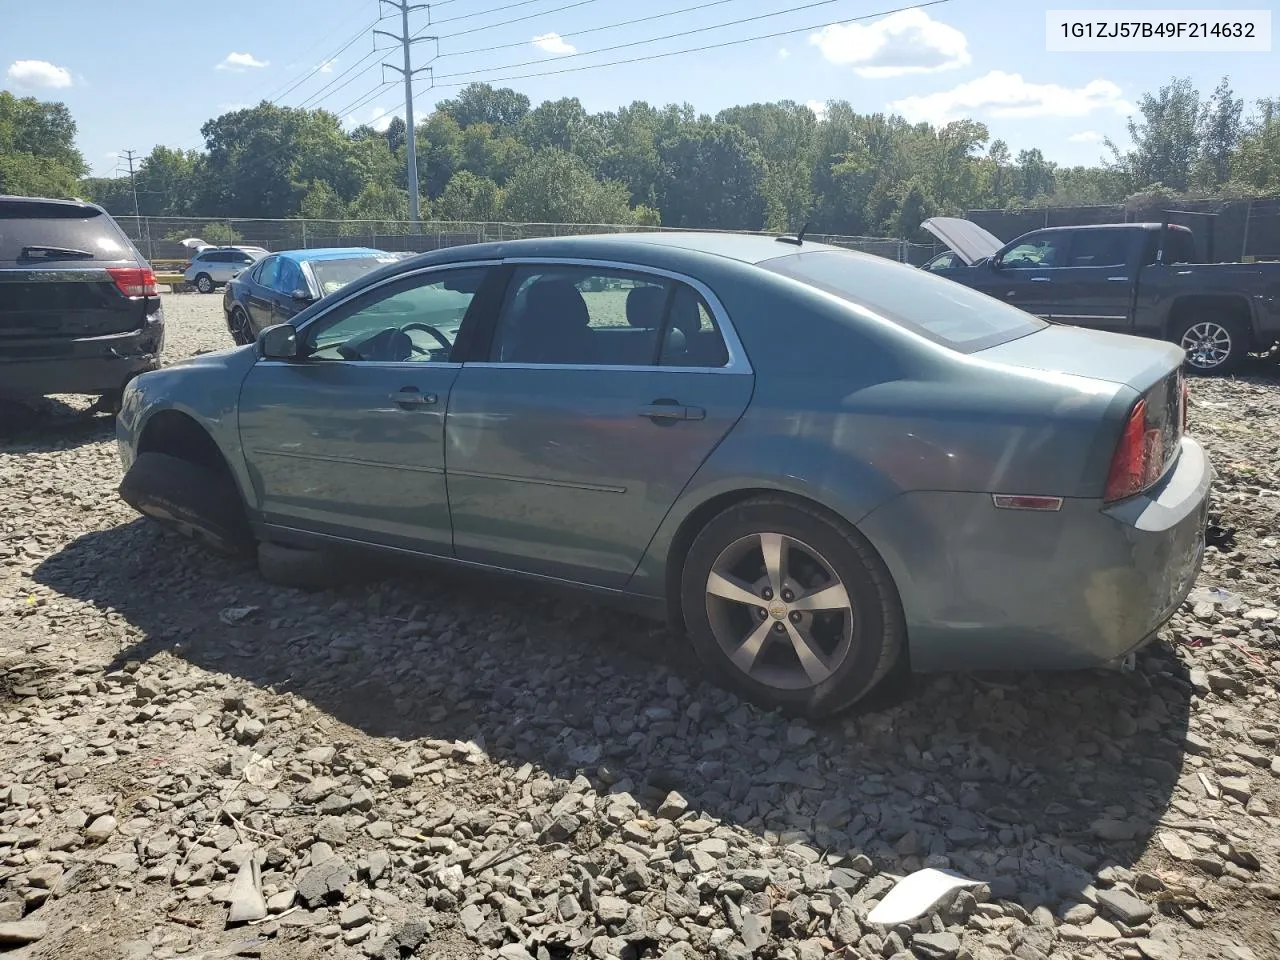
<point x="1117" y="279"/>
<point x="409" y="397"/>
<point x="671" y="410"/>
<point x="1039" y="279"/>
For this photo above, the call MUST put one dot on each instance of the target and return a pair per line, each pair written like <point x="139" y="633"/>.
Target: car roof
<point x="329" y="253"/>
<point x="8" y="198"/>
<point x="740" y="247"/>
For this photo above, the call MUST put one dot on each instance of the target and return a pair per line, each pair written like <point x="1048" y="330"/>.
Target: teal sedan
<point x="815" y="464"/>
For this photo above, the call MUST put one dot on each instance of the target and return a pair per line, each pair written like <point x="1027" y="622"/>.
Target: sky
<point x="155" y="73"/>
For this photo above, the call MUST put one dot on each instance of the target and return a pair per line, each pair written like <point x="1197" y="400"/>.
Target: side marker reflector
<point x="1011" y="501"/>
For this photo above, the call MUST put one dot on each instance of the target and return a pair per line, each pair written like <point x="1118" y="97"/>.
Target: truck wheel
<point x="195" y="501"/>
<point x="1213" y="345"/>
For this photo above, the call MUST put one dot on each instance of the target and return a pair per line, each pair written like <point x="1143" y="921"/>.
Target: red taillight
<point x="1138" y="459"/>
<point x="134" y="281"/>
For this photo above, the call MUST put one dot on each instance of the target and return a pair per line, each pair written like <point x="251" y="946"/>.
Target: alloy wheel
<point x="1208" y="344"/>
<point x="779" y="611"/>
<point x="239" y="324"/>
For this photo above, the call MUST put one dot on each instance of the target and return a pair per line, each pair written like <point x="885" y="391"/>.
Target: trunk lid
<point x="1152" y="368"/>
<point x="970" y="242"/>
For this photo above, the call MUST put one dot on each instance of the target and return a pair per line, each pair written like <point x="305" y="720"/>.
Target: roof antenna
<point x="795" y="240"/>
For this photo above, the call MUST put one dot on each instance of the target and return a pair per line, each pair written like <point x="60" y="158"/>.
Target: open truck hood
<point x="970" y="242"/>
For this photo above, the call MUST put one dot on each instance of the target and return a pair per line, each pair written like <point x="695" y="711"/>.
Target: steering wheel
<point x="428" y="328"/>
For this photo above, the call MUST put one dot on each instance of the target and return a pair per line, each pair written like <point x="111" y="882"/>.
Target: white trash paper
<point x="915" y="893"/>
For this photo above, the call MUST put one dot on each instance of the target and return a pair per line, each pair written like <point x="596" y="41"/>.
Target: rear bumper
<point x="988" y="589"/>
<point x="91" y="365"/>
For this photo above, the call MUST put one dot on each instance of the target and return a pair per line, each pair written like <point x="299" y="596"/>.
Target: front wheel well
<point x="178" y="435"/>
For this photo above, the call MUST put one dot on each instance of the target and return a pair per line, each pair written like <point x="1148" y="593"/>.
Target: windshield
<point x="333" y="275"/>
<point x="941" y="310"/>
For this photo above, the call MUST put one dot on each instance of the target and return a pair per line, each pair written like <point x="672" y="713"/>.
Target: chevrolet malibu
<point x="816" y="464"/>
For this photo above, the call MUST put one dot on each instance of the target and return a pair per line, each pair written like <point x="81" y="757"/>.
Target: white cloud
<point x="819" y="108"/>
<point x="909" y="41"/>
<point x="783" y="53"/>
<point x="1008" y="95"/>
<point x="38" y="73"/>
<point x="327" y="65"/>
<point x="1086" y="136"/>
<point x="239" y="62"/>
<point x="553" y="43"/>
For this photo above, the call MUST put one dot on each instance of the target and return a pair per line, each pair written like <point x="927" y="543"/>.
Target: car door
<point x="348" y="441"/>
<point x="1023" y="273"/>
<point x="1094" y="287"/>
<point x="259" y="297"/>
<point x="570" y="441"/>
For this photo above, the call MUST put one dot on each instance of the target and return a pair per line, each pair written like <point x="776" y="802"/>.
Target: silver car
<point x="213" y="267"/>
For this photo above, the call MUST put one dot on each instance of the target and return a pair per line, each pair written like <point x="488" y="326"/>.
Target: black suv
<point x="79" y="308"/>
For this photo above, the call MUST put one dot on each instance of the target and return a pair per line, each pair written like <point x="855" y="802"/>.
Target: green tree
<point x="1165" y="140"/>
<point x="38" y="155"/>
<point x="471" y="198"/>
<point x="556" y="187"/>
<point x="711" y="177"/>
<point x="1220" y="127"/>
<point x="500" y="107"/>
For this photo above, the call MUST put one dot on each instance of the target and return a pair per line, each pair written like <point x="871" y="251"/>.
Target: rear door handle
<point x="1039" y="279"/>
<point x="671" y="410"/>
<point x="1117" y="279"/>
<point x="408" y="397"/>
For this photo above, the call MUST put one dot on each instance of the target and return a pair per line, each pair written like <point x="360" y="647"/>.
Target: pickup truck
<point x="1138" y="278"/>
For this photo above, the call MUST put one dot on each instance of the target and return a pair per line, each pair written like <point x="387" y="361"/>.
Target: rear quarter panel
<point x="852" y="412"/>
<point x="1160" y="287"/>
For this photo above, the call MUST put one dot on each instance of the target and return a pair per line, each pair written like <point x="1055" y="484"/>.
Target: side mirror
<point x="302" y="296"/>
<point x="279" y="342"/>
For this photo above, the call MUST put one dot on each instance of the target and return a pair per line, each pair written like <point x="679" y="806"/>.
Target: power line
<point x="130" y="156"/>
<point x="639" y="43"/>
<point x="320" y="66"/>
<point x="505" y="6"/>
<point x="529" y="16"/>
<point x="579" y="33"/>
<point x="322" y="95"/>
<point x="699" y="49"/>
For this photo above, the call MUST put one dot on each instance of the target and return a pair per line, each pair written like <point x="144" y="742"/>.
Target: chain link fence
<point x="160" y="238"/>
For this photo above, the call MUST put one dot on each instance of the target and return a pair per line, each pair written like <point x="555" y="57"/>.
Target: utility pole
<point x="130" y="156"/>
<point x="406" y="42"/>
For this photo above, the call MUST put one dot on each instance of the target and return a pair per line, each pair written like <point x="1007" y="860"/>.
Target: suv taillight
<point x="1138" y="458"/>
<point x="134" y="281"/>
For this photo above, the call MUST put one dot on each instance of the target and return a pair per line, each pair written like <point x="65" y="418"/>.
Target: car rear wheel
<point x="204" y="283"/>
<point x="1214" y="345"/>
<point x="238" y="324"/>
<point x="194" y="500"/>
<point x="791" y="608"/>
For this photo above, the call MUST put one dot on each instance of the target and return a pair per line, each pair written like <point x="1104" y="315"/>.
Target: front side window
<point x="946" y="261"/>
<point x="289" y="278"/>
<point x="1038" y="252"/>
<point x="565" y="314"/>
<point x="415" y="320"/>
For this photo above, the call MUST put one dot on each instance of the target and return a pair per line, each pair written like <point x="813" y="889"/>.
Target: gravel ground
<point x="452" y="768"/>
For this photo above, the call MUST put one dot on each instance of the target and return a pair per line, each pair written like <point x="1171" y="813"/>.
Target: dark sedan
<point x="814" y="462"/>
<point x="279" y="286"/>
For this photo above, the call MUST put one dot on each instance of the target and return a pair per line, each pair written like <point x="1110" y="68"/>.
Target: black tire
<point x="300" y="567"/>
<point x="878" y="631"/>
<point x="194" y="500"/>
<point x="1228" y="336"/>
<point x="204" y="283"/>
<point x="238" y="325"/>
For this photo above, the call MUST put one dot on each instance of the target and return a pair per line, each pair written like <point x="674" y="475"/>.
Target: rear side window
<point x="35" y="233"/>
<point x="933" y="307"/>
<point x="1099" y="248"/>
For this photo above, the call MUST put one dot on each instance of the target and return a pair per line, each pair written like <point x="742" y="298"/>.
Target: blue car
<point x="279" y="286"/>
